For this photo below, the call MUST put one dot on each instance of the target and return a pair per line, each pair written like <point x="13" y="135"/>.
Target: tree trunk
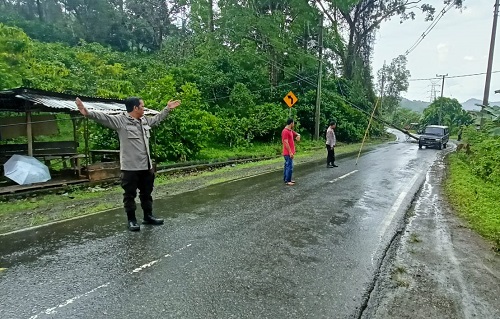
<point x="40" y="10"/>
<point x="350" y="62"/>
<point x="211" y="15"/>
<point x="273" y="68"/>
<point x="305" y="37"/>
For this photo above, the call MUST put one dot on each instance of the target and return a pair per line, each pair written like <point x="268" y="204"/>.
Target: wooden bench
<point x="47" y="151"/>
<point x="105" y="155"/>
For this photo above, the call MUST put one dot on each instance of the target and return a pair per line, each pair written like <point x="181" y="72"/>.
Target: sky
<point x="459" y="44"/>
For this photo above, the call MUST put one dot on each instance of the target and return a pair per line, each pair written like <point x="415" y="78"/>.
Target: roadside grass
<point x="255" y="150"/>
<point x="414" y="238"/>
<point x="73" y="211"/>
<point x="70" y="212"/>
<point x="39" y="202"/>
<point x="398" y="276"/>
<point x="38" y="219"/>
<point x="400" y="269"/>
<point x="303" y="154"/>
<point x="165" y="179"/>
<point x="274" y="149"/>
<point x="475" y="200"/>
<point x="410" y="213"/>
<point x="307" y="151"/>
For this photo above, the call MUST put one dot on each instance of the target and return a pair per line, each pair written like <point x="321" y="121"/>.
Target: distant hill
<point x="419" y="106"/>
<point x="470" y="104"/>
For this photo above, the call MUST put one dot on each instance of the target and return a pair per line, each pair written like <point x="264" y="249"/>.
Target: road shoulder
<point x="438" y="268"/>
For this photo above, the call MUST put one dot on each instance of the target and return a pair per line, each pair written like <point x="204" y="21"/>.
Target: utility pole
<point x="433" y="92"/>
<point x="320" y="68"/>
<point x="490" y="58"/>
<point x="442" y="90"/>
<point x="381" y="99"/>
<point x="442" y="83"/>
<point x="490" y="61"/>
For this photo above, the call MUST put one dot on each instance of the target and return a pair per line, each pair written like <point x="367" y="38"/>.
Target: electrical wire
<point x="454" y="76"/>
<point x="429" y="28"/>
<point x="254" y="91"/>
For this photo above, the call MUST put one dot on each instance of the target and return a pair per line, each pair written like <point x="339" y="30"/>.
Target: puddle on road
<point x="386" y="183"/>
<point x="349" y="203"/>
<point x="339" y="219"/>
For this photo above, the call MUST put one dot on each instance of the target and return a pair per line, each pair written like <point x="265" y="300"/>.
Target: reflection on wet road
<point x="245" y="249"/>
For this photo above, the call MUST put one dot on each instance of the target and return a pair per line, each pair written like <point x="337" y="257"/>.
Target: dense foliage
<point x="227" y="99"/>
<point x="483" y="155"/>
<point x="474" y="181"/>
<point x="230" y="62"/>
<point x="446" y="111"/>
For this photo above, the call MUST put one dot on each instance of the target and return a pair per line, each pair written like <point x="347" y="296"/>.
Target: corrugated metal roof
<point x="67" y="104"/>
<point x="46" y="101"/>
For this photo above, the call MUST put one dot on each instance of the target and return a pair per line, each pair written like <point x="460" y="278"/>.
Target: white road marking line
<point x="397" y="204"/>
<point x="145" y="266"/>
<point x="51" y="311"/>
<point x="343" y="176"/>
<point x="149" y="264"/>
<point x="182" y="248"/>
<point x="395" y="207"/>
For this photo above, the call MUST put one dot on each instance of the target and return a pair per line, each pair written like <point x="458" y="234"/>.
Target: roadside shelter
<point x="31" y="113"/>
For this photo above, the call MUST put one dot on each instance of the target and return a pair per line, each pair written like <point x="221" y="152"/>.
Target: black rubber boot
<point x="151" y="220"/>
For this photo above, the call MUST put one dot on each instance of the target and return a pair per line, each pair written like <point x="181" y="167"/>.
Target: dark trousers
<point x="330" y="157"/>
<point x="130" y="182"/>
<point x="288" y="169"/>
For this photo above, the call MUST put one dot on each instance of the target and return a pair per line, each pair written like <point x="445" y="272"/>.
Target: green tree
<point x="33" y="18"/>
<point x="351" y="123"/>
<point x="394" y="78"/>
<point x="488" y="119"/>
<point x="355" y="23"/>
<point x="187" y="129"/>
<point x="89" y="69"/>
<point x="155" y="20"/>
<point x="240" y="59"/>
<point x="15" y="50"/>
<point x="446" y="111"/>
<point x="404" y="117"/>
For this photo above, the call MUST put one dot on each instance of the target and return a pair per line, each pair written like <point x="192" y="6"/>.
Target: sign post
<point x="290" y="99"/>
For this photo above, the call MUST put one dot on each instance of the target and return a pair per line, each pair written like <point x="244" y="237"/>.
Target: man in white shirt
<point x="331" y="141"/>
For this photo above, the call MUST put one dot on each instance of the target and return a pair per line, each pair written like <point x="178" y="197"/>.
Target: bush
<point x="484" y="156"/>
<point x="474" y="198"/>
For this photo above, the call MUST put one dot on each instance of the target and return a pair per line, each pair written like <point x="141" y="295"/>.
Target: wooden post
<point x="87" y="151"/>
<point x="29" y="132"/>
<point x="75" y="135"/>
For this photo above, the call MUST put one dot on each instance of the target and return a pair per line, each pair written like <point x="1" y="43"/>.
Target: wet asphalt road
<point x="252" y="248"/>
